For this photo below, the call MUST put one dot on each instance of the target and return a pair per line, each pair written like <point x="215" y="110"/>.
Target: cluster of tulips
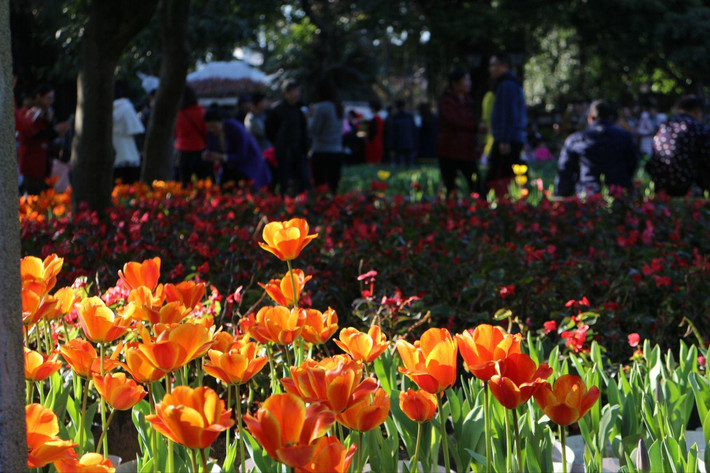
<point x="162" y="341"/>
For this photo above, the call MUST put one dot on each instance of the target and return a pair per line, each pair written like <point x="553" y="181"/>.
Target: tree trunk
<point x="13" y="444"/>
<point x="158" y="163"/>
<point x="111" y="25"/>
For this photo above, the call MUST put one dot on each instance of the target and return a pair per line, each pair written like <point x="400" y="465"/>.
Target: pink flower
<point x="701" y="360"/>
<point x="634" y="339"/>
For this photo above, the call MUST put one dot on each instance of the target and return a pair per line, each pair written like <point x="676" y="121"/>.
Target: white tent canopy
<point x="233" y="70"/>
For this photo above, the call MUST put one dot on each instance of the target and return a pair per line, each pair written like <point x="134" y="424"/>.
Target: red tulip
<point x="568" y="401"/>
<point x="517" y="379"/>
<point x="419" y="406"/>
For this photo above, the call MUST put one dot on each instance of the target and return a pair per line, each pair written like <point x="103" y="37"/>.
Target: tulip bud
<point x="643" y="463"/>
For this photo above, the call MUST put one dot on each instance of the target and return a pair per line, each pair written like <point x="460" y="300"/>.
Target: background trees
<point x="565" y="50"/>
<point x="13" y="443"/>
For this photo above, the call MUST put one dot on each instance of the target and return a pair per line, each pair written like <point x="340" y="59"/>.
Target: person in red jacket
<point x="36" y="129"/>
<point x="456" y="146"/>
<point x="375" y="131"/>
<point x="190" y="139"/>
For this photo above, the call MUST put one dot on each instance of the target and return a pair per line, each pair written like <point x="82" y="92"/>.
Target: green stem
<point x="103" y="407"/>
<point x="487" y="422"/>
<point x="272" y="368"/>
<point x="518" y="447"/>
<point x="229" y="403"/>
<point x="288" y="359"/>
<point x="444" y="436"/>
<point x="204" y="460"/>
<point x="293" y="283"/>
<point x="193" y="460"/>
<point x="30" y="392"/>
<point x="38" y="339"/>
<point x="414" y="465"/>
<point x="359" y="453"/>
<point x="154" y="437"/>
<point x="84" y="393"/>
<point x="508" y="442"/>
<point x="171" y="460"/>
<point x="104" y="437"/>
<point x="340" y="433"/>
<point x="564" y="449"/>
<point x="48" y="336"/>
<point x="242" y="458"/>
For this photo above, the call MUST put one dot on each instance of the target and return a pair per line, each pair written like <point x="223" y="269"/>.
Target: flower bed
<point x="153" y="348"/>
<point x="642" y="264"/>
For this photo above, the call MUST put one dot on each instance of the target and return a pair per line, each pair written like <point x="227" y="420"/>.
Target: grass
<point x="423" y="180"/>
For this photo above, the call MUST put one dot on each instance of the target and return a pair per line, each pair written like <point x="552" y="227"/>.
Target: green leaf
<point x="263" y="462"/>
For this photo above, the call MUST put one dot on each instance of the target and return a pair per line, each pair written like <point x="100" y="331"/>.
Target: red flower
<point x="634" y="339"/>
<point x="550" y="326"/>
<point x="506" y="291"/>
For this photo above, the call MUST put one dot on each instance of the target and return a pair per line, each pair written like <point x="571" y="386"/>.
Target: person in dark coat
<point x="428" y="131"/>
<point x="601" y="149"/>
<point x="508" y="125"/>
<point x="231" y="146"/>
<point x="402" y="136"/>
<point x="681" y="151"/>
<point x="457" y="149"/>
<point x="286" y="130"/>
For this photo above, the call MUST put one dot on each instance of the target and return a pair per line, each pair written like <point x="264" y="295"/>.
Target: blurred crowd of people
<point x="289" y="147"/>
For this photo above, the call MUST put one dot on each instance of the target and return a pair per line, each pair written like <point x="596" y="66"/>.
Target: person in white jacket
<point x="126" y="125"/>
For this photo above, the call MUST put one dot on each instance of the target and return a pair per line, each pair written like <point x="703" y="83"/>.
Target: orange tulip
<point x="365" y="347"/>
<point x="236" y="366"/>
<point x="366" y="411"/>
<point x="568" y="401"/>
<point x="331" y="381"/>
<point x="483" y="346"/>
<point x="329" y="455"/>
<point x="43" y="445"/>
<point x="285" y="240"/>
<point x="275" y="324"/>
<point x="81" y="356"/>
<point x="286" y="429"/>
<point x="517" y="378"/>
<point x="193" y="418"/>
<point x="281" y="290"/>
<point x="99" y="322"/>
<point x="39" y="366"/>
<point x="140" y="368"/>
<point x="431" y="361"/>
<point x="420" y="405"/>
<point x="176" y="346"/>
<point x="188" y="293"/>
<point x="145" y="274"/>
<point x="40" y="276"/>
<point x="142" y="301"/>
<point x="119" y="392"/>
<point x="170" y="313"/>
<point x="89" y="463"/>
<point x="223" y="341"/>
<point x="319" y="326"/>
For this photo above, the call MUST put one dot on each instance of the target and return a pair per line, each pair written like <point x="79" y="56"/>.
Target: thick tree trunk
<point x="158" y="163"/>
<point x="13" y="444"/>
<point x="111" y="25"/>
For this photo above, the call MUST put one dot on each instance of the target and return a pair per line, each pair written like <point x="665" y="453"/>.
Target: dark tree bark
<point x="111" y="25"/>
<point x="13" y="444"/>
<point x="158" y="162"/>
